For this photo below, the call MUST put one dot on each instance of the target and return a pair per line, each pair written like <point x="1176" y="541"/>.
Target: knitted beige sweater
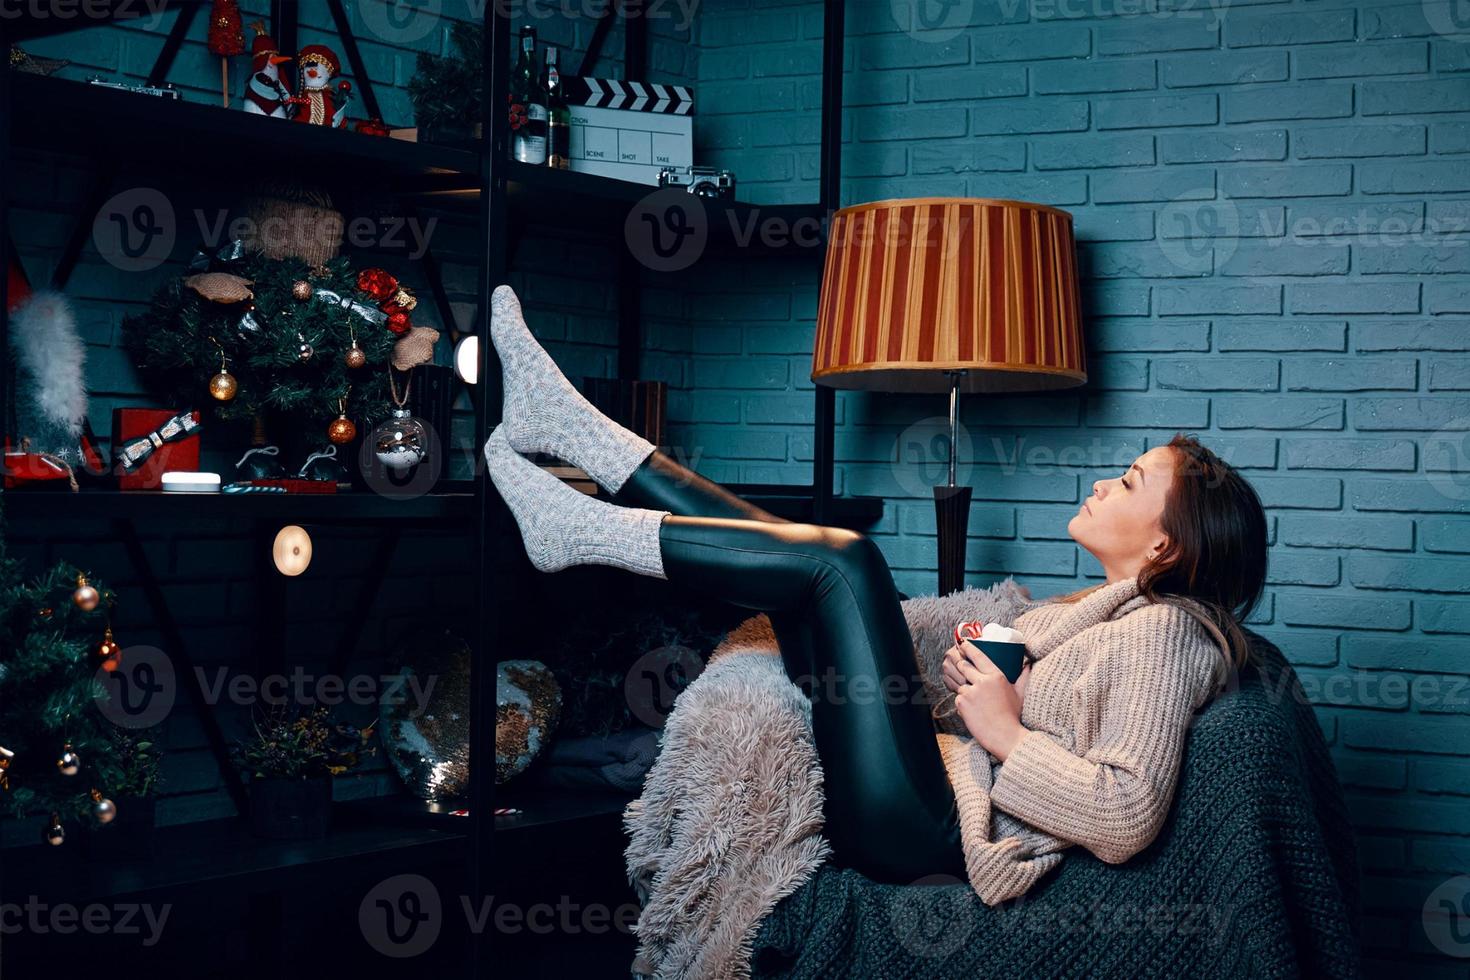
<point x="1109" y="703"/>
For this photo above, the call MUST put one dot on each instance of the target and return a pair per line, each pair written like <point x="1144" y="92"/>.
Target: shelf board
<point x="223" y="853"/>
<point x="543" y="807"/>
<point x="542" y="195"/>
<point x="537" y="195"/>
<point x="358" y="507"/>
<point x="92" y="121"/>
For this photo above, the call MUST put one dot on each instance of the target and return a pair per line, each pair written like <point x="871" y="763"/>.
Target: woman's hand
<point x="989" y="705"/>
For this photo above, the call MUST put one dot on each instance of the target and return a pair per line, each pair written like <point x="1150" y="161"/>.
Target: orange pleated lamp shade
<point x="913" y="288"/>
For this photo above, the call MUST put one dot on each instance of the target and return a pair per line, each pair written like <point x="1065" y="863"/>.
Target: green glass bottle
<point x="558" y="115"/>
<point x="527" y="105"/>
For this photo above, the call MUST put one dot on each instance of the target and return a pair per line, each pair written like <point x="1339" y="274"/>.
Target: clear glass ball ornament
<point x="401" y="441"/>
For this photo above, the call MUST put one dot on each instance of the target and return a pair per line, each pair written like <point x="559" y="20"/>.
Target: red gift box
<point x="129" y="425"/>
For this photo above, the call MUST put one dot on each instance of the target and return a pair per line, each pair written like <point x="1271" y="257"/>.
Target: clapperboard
<point x="629" y="130"/>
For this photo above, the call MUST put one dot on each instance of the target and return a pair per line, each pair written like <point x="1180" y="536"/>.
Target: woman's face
<point x="1119" y="522"/>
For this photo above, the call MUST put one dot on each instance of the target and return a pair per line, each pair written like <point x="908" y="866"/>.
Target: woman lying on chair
<point x="1090" y="737"/>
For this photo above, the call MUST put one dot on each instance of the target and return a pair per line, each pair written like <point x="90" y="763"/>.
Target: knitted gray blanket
<point x="730" y="816"/>
<point x="1254" y="874"/>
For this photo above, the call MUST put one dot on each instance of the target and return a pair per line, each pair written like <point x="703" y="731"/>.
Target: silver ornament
<point x="69" y="762"/>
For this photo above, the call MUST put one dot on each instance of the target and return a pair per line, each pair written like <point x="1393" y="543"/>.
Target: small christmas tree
<point x="58" y="754"/>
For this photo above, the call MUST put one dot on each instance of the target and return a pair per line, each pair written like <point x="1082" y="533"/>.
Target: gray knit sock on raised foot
<point x="545" y="413"/>
<point x="562" y="526"/>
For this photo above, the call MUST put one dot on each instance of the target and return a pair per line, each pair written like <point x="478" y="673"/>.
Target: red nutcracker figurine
<point x="315" y="104"/>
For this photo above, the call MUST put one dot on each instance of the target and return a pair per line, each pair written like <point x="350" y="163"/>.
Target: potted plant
<point x="445" y="91"/>
<point x="289" y="760"/>
<point x="130" y="832"/>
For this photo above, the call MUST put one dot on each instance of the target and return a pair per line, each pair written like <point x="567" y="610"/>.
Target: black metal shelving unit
<point x="54" y="116"/>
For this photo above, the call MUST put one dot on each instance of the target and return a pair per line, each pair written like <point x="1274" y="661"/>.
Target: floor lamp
<point x="957" y="295"/>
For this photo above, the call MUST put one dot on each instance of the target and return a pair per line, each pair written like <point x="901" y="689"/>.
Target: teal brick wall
<point x="1271" y="205"/>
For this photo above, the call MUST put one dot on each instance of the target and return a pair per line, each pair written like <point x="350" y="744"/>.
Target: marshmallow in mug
<point x="991" y="632"/>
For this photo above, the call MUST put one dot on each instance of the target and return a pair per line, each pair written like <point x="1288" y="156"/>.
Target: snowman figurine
<point x="266" y="94"/>
<point x="315" y="104"/>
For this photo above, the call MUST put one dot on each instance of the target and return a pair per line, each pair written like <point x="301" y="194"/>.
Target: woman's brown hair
<point x="1217" y="544"/>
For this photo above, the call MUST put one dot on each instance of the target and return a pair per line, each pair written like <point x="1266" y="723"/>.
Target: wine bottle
<point x="558" y="115"/>
<point x="527" y="105"/>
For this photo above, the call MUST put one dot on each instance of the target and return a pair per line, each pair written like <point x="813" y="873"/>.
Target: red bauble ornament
<point x="398" y="322"/>
<point x="372" y="127"/>
<point x="377" y="283"/>
<point x="226" y="34"/>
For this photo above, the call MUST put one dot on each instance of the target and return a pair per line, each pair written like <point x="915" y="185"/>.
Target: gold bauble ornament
<point x="103" y="809"/>
<point x="222" y="386"/>
<point x="301" y="289"/>
<point x="86" y="597"/>
<point x="55" y="833"/>
<point x="341" y="431"/>
<point x="355" y="357"/>
<point x="69" y="762"/>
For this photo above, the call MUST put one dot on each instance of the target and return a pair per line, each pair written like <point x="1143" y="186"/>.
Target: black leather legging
<point x="890" y="812"/>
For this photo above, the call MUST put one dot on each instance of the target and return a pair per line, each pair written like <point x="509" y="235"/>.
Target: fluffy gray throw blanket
<point x="730" y="817"/>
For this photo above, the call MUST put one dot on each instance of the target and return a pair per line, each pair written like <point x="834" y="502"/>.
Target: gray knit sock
<point x="562" y="526"/>
<point x="545" y="413"/>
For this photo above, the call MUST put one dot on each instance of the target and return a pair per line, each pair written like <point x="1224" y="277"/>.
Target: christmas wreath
<point x="308" y="342"/>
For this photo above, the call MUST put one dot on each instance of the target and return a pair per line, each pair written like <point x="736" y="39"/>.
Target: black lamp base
<point x="952" y="517"/>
